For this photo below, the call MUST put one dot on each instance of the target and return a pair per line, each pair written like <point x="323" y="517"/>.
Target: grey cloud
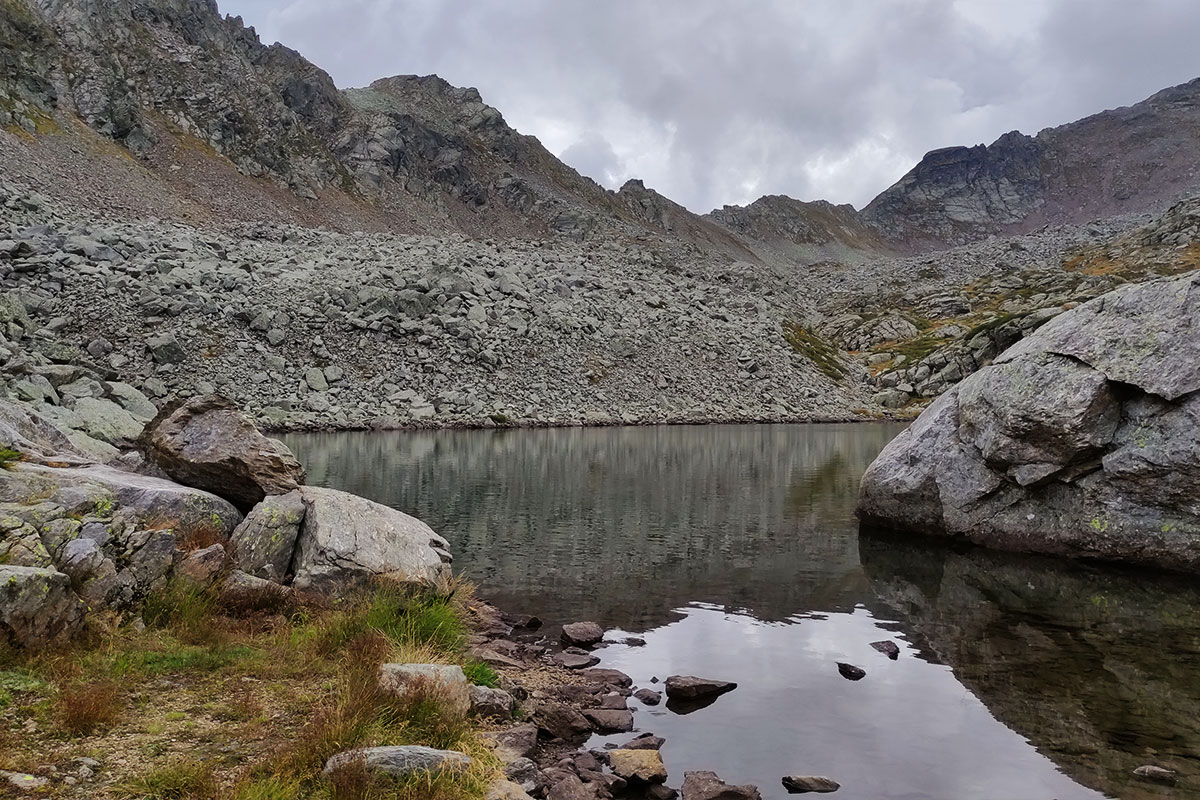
<point x="720" y="101"/>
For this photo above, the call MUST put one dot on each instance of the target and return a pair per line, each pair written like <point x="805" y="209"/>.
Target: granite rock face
<point x="1081" y="440"/>
<point x="348" y="539"/>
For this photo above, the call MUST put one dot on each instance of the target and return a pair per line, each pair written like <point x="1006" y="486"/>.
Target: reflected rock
<point x="1095" y="666"/>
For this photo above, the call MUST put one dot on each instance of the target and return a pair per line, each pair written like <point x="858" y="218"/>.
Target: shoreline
<point x="536" y="424"/>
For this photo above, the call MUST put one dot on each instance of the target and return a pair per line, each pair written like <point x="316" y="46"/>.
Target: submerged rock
<point x="1081" y="440"/>
<point x="1154" y="774"/>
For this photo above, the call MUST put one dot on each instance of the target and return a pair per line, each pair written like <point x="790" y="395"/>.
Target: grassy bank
<point x="193" y="700"/>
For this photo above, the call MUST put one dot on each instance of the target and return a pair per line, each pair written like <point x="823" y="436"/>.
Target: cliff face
<point x="806" y="232"/>
<point x="1121" y="161"/>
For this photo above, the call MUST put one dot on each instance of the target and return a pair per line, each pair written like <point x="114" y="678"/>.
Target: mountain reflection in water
<point x="733" y="551"/>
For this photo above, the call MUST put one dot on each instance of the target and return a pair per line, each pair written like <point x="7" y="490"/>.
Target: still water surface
<point x="734" y="552"/>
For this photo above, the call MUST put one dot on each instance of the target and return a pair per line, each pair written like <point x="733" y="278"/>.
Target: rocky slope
<point x="1079" y="440"/>
<point x="1125" y="160"/>
<point x="311" y="328"/>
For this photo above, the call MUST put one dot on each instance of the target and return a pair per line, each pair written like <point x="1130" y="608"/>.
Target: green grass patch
<point x="816" y="349"/>
<point x="481" y="674"/>
<point x="9" y="457"/>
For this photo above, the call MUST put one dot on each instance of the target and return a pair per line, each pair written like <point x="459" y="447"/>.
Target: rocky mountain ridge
<point x="224" y="127"/>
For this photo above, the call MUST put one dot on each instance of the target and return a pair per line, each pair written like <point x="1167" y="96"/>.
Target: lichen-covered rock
<point x="207" y="442"/>
<point x="347" y="540"/>
<point x="263" y="544"/>
<point x="400" y="761"/>
<point x="37" y="606"/>
<point x="1081" y="440"/>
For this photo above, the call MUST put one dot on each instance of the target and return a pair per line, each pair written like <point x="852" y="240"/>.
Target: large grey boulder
<point x="346" y="540"/>
<point x="37" y="606"/>
<point x="1081" y="440"/>
<point x="207" y="442"/>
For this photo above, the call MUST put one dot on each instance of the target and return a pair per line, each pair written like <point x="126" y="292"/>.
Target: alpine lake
<point x="734" y="553"/>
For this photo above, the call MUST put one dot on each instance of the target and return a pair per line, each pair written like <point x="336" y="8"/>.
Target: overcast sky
<point x="716" y="102"/>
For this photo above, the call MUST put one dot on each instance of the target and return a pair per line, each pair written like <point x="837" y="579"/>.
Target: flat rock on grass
<point x="400" y="760"/>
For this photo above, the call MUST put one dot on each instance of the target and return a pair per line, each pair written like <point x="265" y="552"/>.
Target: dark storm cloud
<point x="721" y="101"/>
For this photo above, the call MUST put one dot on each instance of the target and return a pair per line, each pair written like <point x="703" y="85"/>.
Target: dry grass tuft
<point x="87" y="707"/>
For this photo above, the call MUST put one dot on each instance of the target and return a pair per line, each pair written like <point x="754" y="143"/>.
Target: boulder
<point x="648" y="696"/>
<point x="35" y="437"/>
<point x="446" y="682"/>
<point x="1081" y="440"/>
<point x="265" y="540"/>
<point x="515" y="743"/>
<point x="644" y="766"/>
<point x="561" y="721"/>
<point x="568" y="660"/>
<point x="208" y="443"/>
<point x="581" y="634"/>
<point x="37" y="607"/>
<point x="609" y="720"/>
<point x="708" y="786"/>
<point x="489" y="702"/>
<point x="347" y="540"/>
<point x="400" y="760"/>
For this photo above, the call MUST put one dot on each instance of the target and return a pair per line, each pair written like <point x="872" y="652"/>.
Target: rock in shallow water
<point x="801" y="784"/>
<point x="581" y="634"/>
<point x="851" y="672"/>
<point x="690" y="687"/>
<point x="704" y="785"/>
